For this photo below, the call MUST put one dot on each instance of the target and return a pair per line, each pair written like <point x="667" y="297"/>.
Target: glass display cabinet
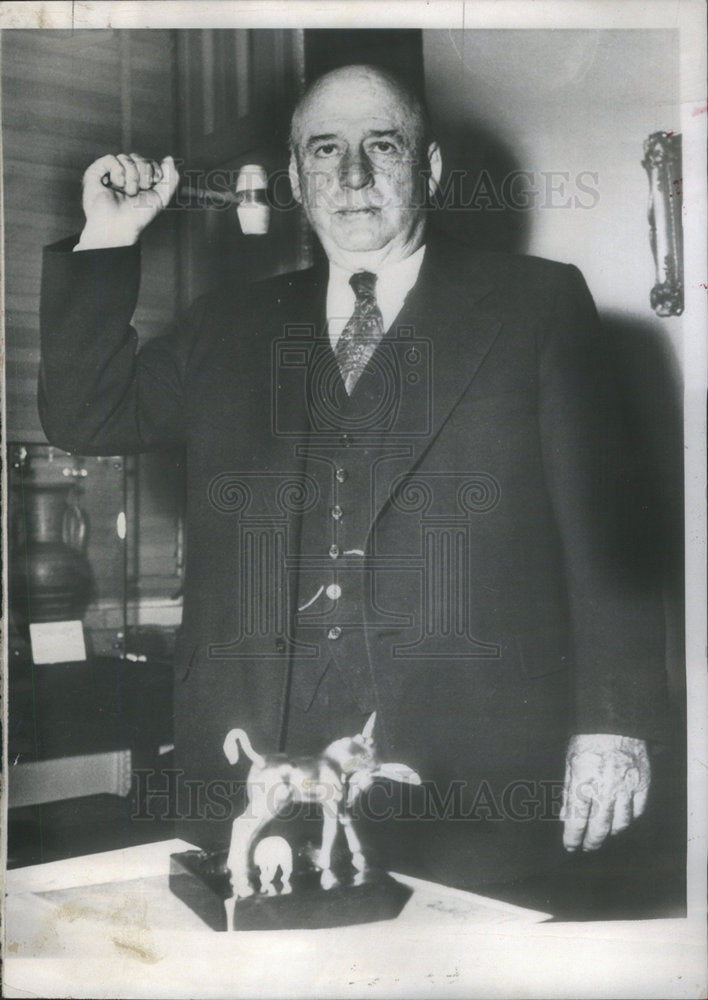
<point x="93" y="611"/>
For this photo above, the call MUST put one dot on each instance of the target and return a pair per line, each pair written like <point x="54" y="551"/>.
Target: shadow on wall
<point x="650" y="390"/>
<point x="481" y="199"/>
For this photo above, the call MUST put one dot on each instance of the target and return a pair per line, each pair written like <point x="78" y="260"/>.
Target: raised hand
<point x="121" y="196"/>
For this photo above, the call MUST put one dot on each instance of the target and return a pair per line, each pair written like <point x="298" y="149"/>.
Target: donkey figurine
<point x="334" y="780"/>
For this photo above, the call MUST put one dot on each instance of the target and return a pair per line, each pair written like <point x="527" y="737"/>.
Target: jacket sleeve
<point x="99" y="394"/>
<point x="611" y="553"/>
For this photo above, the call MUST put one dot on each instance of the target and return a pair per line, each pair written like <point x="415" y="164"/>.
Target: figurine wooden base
<point x="201" y="880"/>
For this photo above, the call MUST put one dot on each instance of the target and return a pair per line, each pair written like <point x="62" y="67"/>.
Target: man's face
<point x="357" y="171"/>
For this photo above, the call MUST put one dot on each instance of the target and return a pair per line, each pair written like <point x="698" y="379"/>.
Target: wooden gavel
<point x="249" y="198"/>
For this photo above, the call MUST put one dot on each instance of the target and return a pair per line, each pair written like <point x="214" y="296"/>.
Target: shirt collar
<point x="394" y="281"/>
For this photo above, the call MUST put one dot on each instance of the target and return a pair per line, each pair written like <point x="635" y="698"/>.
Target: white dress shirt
<point x="394" y="282"/>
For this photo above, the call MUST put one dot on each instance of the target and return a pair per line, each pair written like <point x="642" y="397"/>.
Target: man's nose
<point x="355" y="170"/>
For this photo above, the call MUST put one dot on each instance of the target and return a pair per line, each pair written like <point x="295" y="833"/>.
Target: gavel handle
<point x="205" y="197"/>
<point x="247" y="197"/>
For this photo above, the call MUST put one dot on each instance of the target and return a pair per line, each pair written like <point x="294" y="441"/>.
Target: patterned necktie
<point x="363" y="331"/>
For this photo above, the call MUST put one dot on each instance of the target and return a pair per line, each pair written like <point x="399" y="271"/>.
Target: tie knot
<point x="364" y="284"/>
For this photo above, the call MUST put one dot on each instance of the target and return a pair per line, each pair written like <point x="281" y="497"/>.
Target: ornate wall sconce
<point x="662" y="162"/>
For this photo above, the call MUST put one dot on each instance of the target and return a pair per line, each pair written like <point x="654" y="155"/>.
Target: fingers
<point x="575" y="813"/>
<point x="622" y="814"/>
<point x="587" y="818"/>
<point x="149" y="171"/>
<point x="573" y="833"/>
<point x="641" y="791"/>
<point x="107" y="170"/>
<point x="166" y="180"/>
<point x="639" y="800"/>
<point x="565" y="811"/>
<point x="139" y="174"/>
<point x="126" y="173"/>
<point x="131" y="175"/>
<point x="599" y="824"/>
<point x="631" y="801"/>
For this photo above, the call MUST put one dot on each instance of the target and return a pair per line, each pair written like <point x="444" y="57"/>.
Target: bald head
<point x="364" y="86"/>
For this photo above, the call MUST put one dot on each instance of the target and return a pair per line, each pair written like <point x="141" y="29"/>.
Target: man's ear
<point x="294" y="178"/>
<point x="435" y="163"/>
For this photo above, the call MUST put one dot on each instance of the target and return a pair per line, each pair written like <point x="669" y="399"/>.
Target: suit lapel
<point x="284" y="331"/>
<point x="299" y="325"/>
<point x="445" y="311"/>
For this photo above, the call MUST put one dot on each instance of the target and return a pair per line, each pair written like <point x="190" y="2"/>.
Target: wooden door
<point x="237" y="90"/>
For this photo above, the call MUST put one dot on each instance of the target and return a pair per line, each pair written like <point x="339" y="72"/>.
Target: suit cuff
<point x="70" y="243"/>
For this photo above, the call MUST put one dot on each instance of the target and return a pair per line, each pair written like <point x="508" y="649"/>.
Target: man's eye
<point x="383" y="146"/>
<point x="326" y="149"/>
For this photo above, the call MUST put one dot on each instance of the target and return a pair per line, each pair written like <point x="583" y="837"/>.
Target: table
<point x="106" y="925"/>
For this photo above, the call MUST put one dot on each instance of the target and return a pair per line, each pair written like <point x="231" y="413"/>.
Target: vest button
<point x="336" y="512"/>
<point x="334" y="591"/>
<point x="334" y="552"/>
<point x="334" y="632"/>
<point x="341" y="475"/>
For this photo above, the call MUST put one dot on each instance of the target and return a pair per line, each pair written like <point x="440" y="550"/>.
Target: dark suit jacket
<point x="560" y="622"/>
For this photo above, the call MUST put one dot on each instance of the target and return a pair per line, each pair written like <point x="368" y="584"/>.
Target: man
<point x="404" y="494"/>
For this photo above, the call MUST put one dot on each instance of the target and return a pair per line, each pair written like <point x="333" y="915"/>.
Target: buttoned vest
<point x="345" y="454"/>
